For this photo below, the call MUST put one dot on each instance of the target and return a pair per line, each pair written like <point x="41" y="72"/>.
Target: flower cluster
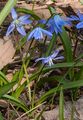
<point x="54" y="24"/>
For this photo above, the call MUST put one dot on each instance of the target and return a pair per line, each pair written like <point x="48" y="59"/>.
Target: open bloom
<point x="55" y="24"/>
<point x="38" y="34"/>
<point x="18" y="23"/>
<point x="49" y="60"/>
<point x="79" y="18"/>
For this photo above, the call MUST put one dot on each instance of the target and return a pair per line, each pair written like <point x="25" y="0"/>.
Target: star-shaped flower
<point x="38" y="34"/>
<point x="18" y="23"/>
<point x="49" y="60"/>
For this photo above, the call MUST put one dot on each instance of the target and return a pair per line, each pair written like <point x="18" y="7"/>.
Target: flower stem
<point x="28" y="82"/>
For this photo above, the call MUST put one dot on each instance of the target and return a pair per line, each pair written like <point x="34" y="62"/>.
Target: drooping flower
<point x="18" y="23"/>
<point x="55" y="24"/>
<point x="49" y="60"/>
<point x="38" y="34"/>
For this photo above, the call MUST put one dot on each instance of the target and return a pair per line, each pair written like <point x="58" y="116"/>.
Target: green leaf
<point x="51" y="79"/>
<point x="1" y="117"/>
<point x="68" y="85"/>
<point x="55" y="66"/>
<point x="5" y="11"/>
<point x="18" y="91"/>
<point x="52" y="43"/>
<point x="15" y="76"/>
<point x="67" y="45"/>
<point x="63" y="65"/>
<point x="5" y="88"/>
<point x="79" y="74"/>
<point x="3" y="77"/>
<point x="52" y="10"/>
<point x="16" y="101"/>
<point x="30" y="12"/>
<point x="61" y="105"/>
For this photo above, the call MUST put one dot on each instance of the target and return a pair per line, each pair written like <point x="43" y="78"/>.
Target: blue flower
<point x="79" y="25"/>
<point x="55" y="24"/>
<point x="79" y="18"/>
<point x="38" y="34"/>
<point x="49" y="60"/>
<point x="18" y="23"/>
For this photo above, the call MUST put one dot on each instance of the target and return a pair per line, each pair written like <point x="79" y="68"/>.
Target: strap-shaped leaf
<point x="9" y="5"/>
<point x="5" y="88"/>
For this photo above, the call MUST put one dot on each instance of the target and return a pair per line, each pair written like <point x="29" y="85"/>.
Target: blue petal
<point x="39" y="59"/>
<point x="24" y="19"/>
<point x="46" y="32"/>
<point x="38" y="34"/>
<point x="55" y="54"/>
<point x="73" y="18"/>
<point x="57" y="29"/>
<point x="25" y="22"/>
<point x="14" y="14"/>
<point x="50" y="21"/>
<point x="31" y="35"/>
<point x="50" y="29"/>
<point x="79" y="25"/>
<point x="59" y="58"/>
<point x="42" y="21"/>
<point x="21" y="30"/>
<point x="10" y="29"/>
<point x="50" y="25"/>
<point x="59" y="22"/>
<point x="80" y="16"/>
<point x="46" y="60"/>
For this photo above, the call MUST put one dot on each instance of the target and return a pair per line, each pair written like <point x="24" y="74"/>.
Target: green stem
<point x="61" y="104"/>
<point x="33" y="5"/>
<point x="9" y="5"/>
<point x="28" y="82"/>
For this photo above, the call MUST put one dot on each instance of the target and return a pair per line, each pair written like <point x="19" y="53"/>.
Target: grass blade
<point x="5" y="88"/>
<point x="61" y="105"/>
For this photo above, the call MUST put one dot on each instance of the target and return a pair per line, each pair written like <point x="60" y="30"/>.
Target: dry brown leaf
<point x="7" y="52"/>
<point x="3" y="103"/>
<point x="43" y="12"/>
